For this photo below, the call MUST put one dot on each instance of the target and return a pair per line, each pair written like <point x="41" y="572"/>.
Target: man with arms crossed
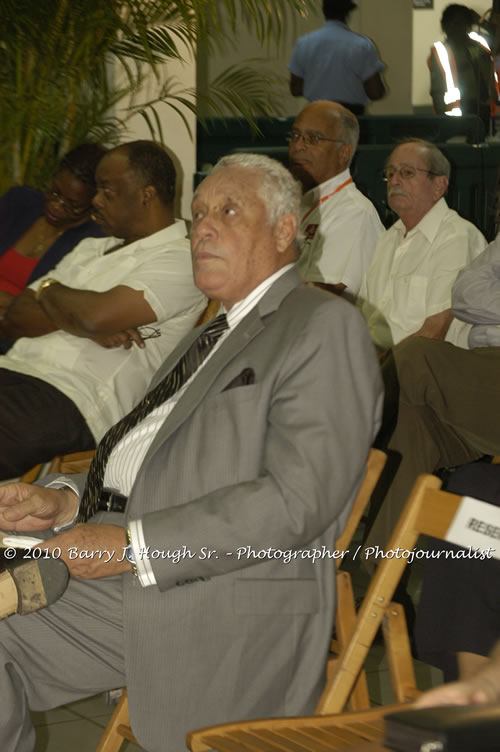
<point x="67" y="379"/>
<point x="252" y="455"/>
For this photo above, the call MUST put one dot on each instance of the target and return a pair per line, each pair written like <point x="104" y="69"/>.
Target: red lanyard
<point x="325" y="198"/>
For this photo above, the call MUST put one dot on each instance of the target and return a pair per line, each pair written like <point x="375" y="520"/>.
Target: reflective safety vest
<point x="482" y="41"/>
<point x="445" y="59"/>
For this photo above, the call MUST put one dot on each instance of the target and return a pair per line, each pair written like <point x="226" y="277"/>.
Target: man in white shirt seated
<point x="222" y="476"/>
<point x="449" y="399"/>
<point x="90" y="336"/>
<point x="340" y="225"/>
<point x="407" y="288"/>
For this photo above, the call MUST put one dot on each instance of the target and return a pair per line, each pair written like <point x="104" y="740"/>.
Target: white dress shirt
<point x="411" y="275"/>
<point x="340" y="233"/>
<point x="106" y="383"/>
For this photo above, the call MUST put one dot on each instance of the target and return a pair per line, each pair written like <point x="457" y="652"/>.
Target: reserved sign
<point x="477" y="525"/>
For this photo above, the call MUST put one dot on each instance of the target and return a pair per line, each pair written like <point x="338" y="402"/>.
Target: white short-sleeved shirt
<point x="106" y="383"/>
<point x="340" y="233"/>
<point x="410" y="277"/>
<point x="334" y="62"/>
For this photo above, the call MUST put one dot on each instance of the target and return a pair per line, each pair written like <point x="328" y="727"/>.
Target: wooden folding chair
<point x="34" y="473"/>
<point x="361" y="730"/>
<point x="209" y="313"/>
<point x="118" y="728"/>
<point x="428" y="511"/>
<point x="76" y="462"/>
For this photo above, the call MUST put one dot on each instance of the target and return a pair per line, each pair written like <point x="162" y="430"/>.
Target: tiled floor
<point x="76" y="727"/>
<point x="79" y="726"/>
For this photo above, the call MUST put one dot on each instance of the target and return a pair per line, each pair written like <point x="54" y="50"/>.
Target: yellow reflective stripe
<point x="452" y="94"/>
<point x="479" y="39"/>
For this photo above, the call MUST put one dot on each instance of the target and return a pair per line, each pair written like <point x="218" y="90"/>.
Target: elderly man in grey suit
<point x="230" y="483"/>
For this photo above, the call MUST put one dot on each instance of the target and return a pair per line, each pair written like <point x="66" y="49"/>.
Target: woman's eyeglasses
<point x="75" y="211"/>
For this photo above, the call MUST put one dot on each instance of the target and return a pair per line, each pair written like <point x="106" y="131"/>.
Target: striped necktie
<point x="173" y="381"/>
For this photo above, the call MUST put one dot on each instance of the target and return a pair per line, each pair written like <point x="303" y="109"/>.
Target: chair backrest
<point x="209" y="313"/>
<point x="374" y="466"/>
<point x="428" y="511"/>
<point x="345" y="613"/>
<point x="76" y="462"/>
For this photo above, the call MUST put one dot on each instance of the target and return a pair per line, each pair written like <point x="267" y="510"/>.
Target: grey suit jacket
<point x="262" y="476"/>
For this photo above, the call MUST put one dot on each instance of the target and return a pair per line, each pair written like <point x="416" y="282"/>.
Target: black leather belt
<point x="111" y="501"/>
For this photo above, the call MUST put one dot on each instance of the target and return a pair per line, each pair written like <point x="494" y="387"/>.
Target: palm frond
<point x="55" y="62"/>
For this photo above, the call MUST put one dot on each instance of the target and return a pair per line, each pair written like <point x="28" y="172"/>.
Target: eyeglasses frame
<point x="398" y="172"/>
<point x="304" y="136"/>
<point x="52" y="195"/>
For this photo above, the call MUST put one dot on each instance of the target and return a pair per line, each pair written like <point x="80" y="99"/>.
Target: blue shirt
<point x="334" y="61"/>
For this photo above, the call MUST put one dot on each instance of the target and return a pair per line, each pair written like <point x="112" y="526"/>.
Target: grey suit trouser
<point x="70" y="650"/>
<point x="449" y="414"/>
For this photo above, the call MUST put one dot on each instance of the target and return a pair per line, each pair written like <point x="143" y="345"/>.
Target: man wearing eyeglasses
<point x="90" y="336"/>
<point x="407" y="288"/>
<point x="340" y="226"/>
<point x="223" y="477"/>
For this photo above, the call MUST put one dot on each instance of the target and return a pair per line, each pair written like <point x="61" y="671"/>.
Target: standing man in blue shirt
<point x="335" y="63"/>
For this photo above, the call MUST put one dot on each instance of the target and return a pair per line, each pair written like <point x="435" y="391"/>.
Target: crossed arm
<point x="109" y="318"/>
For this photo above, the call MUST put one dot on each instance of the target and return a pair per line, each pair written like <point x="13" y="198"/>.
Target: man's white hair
<point x="277" y="188"/>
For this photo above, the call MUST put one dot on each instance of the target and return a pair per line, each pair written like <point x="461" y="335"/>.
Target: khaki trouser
<point x="449" y="414"/>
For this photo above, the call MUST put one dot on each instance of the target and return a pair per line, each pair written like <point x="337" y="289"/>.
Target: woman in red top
<point x="38" y="228"/>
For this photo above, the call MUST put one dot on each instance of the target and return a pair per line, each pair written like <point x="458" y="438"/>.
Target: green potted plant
<point x="55" y="60"/>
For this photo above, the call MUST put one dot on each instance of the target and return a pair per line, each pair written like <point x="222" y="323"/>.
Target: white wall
<point x="274" y="58"/>
<point x="181" y="146"/>
<point x="387" y="22"/>
<point x="426" y="31"/>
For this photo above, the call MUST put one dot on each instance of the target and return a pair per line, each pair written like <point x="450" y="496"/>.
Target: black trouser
<point x="37" y="422"/>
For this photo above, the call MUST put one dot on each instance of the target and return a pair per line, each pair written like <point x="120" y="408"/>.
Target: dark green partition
<point x="388" y="129"/>
<point x="219" y="136"/>
<point x="472" y="190"/>
<point x="473" y="181"/>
